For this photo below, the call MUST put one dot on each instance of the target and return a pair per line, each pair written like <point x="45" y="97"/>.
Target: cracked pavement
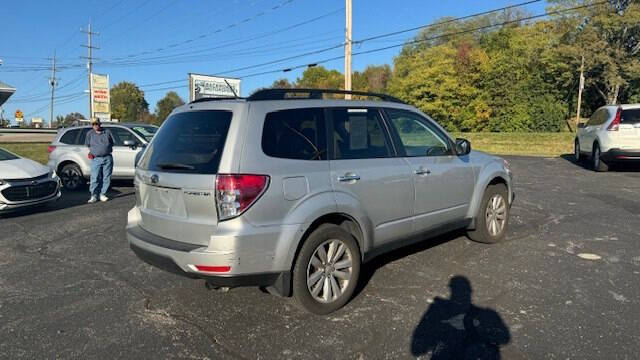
<point x="564" y="284"/>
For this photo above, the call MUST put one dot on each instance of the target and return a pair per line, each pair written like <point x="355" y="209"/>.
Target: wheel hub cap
<point x="496" y="215"/>
<point x="329" y="271"/>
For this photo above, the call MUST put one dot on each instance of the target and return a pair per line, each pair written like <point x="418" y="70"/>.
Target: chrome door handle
<point x="422" y="171"/>
<point x="349" y="177"/>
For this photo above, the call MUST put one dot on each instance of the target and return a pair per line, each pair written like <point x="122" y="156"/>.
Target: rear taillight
<point x="50" y="148"/>
<point x="615" y="124"/>
<point x="236" y="193"/>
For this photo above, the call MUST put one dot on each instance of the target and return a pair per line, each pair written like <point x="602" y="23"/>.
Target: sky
<point x="156" y="43"/>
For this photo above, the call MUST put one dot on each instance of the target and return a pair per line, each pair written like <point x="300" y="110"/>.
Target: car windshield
<point x="5" y="155"/>
<point x="146" y="132"/>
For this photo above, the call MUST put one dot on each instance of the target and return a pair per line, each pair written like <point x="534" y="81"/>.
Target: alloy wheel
<point x="329" y="271"/>
<point x="496" y="215"/>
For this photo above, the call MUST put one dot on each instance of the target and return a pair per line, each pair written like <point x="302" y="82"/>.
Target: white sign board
<point x="100" y="97"/>
<point x="201" y="86"/>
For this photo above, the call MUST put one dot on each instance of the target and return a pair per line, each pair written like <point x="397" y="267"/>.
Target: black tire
<point x="302" y="294"/>
<point x="482" y="233"/>
<point x="577" y="156"/>
<point x="596" y="162"/>
<point x="71" y="177"/>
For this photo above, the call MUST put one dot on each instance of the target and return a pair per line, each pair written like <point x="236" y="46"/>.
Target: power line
<point x="236" y="42"/>
<point x="202" y="36"/>
<point x="428" y="39"/>
<point x="359" y="42"/>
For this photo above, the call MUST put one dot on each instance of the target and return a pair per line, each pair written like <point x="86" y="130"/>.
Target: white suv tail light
<point x="235" y="193"/>
<point x="615" y="124"/>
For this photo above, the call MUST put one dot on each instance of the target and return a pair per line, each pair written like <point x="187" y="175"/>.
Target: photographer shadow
<point x="455" y="328"/>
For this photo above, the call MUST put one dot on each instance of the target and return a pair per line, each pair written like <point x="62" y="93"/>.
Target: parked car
<point x="25" y="183"/>
<point x="294" y="194"/>
<point x="68" y="155"/>
<point x="612" y="135"/>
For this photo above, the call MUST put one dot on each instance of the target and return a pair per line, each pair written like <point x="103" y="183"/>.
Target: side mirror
<point x="581" y="125"/>
<point x="130" y="143"/>
<point x="463" y="147"/>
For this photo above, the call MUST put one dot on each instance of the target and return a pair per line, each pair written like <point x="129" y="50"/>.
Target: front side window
<point x="295" y="134"/>
<point x="121" y="135"/>
<point x="146" y="132"/>
<point x="359" y="134"/>
<point x="418" y="136"/>
<point x="189" y="142"/>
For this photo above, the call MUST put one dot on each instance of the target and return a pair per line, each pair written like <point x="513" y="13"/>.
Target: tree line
<point x="523" y="76"/>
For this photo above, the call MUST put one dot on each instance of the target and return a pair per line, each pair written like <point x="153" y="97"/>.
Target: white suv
<point x="611" y="135"/>
<point x="68" y="155"/>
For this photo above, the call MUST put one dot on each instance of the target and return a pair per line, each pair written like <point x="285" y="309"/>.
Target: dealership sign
<point x="201" y="86"/>
<point x="101" y="108"/>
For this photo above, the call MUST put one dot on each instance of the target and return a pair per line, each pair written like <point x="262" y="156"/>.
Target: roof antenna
<point x="231" y="88"/>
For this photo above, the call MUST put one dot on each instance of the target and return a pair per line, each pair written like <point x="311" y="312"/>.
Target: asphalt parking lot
<point x="563" y="285"/>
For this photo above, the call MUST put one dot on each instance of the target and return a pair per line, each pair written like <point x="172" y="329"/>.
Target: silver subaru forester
<point x="293" y="192"/>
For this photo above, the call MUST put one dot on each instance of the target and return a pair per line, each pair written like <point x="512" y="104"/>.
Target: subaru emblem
<point x="154" y="178"/>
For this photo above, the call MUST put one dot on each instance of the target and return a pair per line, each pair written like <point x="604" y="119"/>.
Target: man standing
<point x="100" y="142"/>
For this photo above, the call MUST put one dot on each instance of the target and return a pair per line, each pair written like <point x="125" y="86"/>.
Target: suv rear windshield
<point x="189" y="142"/>
<point x="630" y="116"/>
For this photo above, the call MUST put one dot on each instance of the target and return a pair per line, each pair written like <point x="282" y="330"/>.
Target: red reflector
<point x="213" y="268"/>
<point x="50" y="149"/>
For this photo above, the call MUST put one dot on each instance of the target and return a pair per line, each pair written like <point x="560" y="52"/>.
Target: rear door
<point x="365" y="168"/>
<point x="629" y="129"/>
<point x="443" y="181"/>
<point x="176" y="176"/>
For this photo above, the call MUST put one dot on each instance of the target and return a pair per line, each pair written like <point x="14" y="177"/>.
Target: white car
<point x="25" y="183"/>
<point x="611" y="135"/>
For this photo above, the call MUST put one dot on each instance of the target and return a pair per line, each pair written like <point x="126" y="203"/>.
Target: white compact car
<point x="25" y="183"/>
<point x="612" y="135"/>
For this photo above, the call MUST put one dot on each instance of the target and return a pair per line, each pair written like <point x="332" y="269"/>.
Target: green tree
<point x="165" y="106"/>
<point x="71" y="118"/>
<point x="373" y="79"/>
<point x="609" y="39"/>
<point x="318" y="77"/>
<point x="282" y="84"/>
<point x="127" y="102"/>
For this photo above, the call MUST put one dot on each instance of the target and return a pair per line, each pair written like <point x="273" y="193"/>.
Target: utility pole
<point x="580" y="87"/>
<point x="53" y="82"/>
<point x="89" y="64"/>
<point x="347" y="51"/>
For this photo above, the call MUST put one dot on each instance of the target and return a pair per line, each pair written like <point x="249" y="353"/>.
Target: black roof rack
<point x="285" y="94"/>
<point x="202" y="99"/>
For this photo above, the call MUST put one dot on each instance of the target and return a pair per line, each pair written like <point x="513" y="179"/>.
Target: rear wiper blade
<point x="175" y="166"/>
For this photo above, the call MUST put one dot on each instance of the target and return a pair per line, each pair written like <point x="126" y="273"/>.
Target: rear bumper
<point x="615" y="155"/>
<point x="181" y="258"/>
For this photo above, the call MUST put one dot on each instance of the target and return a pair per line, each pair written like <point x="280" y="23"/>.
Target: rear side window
<point x="189" y="142"/>
<point x="359" y="134"/>
<point x="70" y="137"/>
<point x="295" y="134"/>
<point x="630" y="116"/>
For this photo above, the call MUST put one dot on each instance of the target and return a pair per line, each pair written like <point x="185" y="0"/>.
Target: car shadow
<point x="617" y="167"/>
<point x="72" y="198"/>
<point x="455" y="328"/>
<point x="369" y="268"/>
